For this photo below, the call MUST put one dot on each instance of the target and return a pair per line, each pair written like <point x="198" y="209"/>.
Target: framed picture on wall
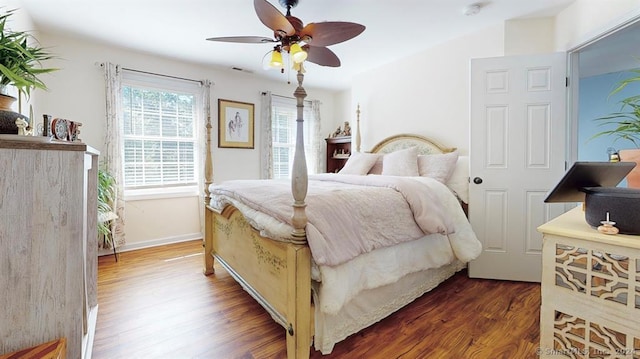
<point x="235" y="124"/>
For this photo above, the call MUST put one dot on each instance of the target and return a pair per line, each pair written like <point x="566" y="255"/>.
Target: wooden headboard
<point x="399" y="142"/>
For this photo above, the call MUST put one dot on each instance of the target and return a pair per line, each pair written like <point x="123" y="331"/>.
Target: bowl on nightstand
<point x="620" y="203"/>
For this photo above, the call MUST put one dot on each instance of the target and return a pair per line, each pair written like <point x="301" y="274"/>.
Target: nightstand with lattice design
<point x="590" y="291"/>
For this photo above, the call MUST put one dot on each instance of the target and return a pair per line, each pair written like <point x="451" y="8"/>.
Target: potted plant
<point x="20" y="67"/>
<point x="626" y="126"/>
<point x="106" y="201"/>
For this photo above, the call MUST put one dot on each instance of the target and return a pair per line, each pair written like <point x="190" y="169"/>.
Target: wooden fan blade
<point x="321" y="56"/>
<point x="330" y="32"/>
<point x="272" y="18"/>
<point x="243" y="39"/>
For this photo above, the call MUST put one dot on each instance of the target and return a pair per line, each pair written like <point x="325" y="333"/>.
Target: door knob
<point x="477" y="180"/>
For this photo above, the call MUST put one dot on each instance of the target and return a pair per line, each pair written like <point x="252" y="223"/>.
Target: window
<point x="160" y="133"/>
<point x="283" y="126"/>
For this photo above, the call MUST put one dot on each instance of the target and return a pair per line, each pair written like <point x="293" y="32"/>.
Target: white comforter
<point x="349" y="215"/>
<point x="384" y="266"/>
<point x="377" y="262"/>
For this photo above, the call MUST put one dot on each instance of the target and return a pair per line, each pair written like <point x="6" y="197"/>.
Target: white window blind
<point x="159" y="122"/>
<point x="283" y="126"/>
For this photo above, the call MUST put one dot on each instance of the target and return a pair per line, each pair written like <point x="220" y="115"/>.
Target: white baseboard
<point x="151" y="243"/>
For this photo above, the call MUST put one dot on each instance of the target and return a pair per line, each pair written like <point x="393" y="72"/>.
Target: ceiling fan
<point x="303" y="42"/>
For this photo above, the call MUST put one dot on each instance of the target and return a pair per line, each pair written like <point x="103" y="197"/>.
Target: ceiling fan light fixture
<point x="276" y="59"/>
<point x="297" y="53"/>
<point x="290" y="34"/>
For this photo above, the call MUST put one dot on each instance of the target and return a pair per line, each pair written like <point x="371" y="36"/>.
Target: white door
<point x="517" y="154"/>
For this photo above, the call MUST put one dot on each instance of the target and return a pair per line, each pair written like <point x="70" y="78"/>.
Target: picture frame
<point x="235" y="124"/>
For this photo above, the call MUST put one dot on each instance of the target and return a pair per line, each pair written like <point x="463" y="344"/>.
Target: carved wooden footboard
<point x="276" y="274"/>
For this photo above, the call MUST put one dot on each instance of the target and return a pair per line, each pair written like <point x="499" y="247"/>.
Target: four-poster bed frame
<point x="276" y="273"/>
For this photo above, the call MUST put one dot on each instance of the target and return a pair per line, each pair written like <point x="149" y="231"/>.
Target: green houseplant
<point x="20" y="62"/>
<point x="20" y="67"/>
<point x="626" y="125"/>
<point x="627" y="120"/>
<point x="106" y="200"/>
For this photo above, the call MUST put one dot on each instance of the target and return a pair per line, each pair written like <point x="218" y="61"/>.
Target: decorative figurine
<point x="23" y="127"/>
<point x="347" y="129"/>
<point x="337" y="132"/>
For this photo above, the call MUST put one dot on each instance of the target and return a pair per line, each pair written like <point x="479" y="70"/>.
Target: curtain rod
<point x="101" y="64"/>
<point x="205" y="82"/>
<point x="163" y="75"/>
<point x="264" y="93"/>
<point x="282" y="96"/>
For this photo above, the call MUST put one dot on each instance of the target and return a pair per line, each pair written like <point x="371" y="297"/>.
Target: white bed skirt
<point x="373" y="305"/>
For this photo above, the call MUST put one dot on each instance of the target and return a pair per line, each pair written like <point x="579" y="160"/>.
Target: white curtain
<point x="266" y="137"/>
<point x="316" y="138"/>
<point x="203" y="119"/>
<point x="112" y="156"/>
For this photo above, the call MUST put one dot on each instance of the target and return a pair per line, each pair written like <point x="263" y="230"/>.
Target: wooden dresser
<point x="590" y="291"/>
<point x="48" y="244"/>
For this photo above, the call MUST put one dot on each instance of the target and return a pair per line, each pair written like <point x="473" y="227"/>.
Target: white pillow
<point x="401" y="163"/>
<point x="359" y="163"/>
<point x="438" y="166"/>
<point x="459" y="181"/>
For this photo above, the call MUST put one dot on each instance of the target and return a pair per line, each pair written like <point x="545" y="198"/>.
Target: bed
<point x="317" y="298"/>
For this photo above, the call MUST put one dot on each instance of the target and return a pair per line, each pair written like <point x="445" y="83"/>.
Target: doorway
<point x="594" y="67"/>
<point x="584" y="60"/>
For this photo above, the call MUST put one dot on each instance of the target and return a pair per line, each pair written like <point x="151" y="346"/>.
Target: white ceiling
<point x="178" y="28"/>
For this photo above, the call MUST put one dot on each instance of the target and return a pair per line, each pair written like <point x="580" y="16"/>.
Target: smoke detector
<point x="472" y="9"/>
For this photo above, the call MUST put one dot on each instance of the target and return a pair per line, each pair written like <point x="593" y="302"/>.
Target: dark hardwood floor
<point x="156" y="303"/>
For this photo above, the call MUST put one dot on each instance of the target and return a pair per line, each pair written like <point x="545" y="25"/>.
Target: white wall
<point x="586" y="19"/>
<point x="77" y="93"/>
<point x="529" y="36"/>
<point x="426" y="94"/>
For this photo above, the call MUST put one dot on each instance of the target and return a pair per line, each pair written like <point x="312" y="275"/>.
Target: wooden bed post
<point x="299" y="281"/>
<point x="299" y="178"/>
<point x="208" y="179"/>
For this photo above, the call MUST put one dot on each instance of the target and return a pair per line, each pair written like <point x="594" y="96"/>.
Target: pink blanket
<point x="349" y="215"/>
